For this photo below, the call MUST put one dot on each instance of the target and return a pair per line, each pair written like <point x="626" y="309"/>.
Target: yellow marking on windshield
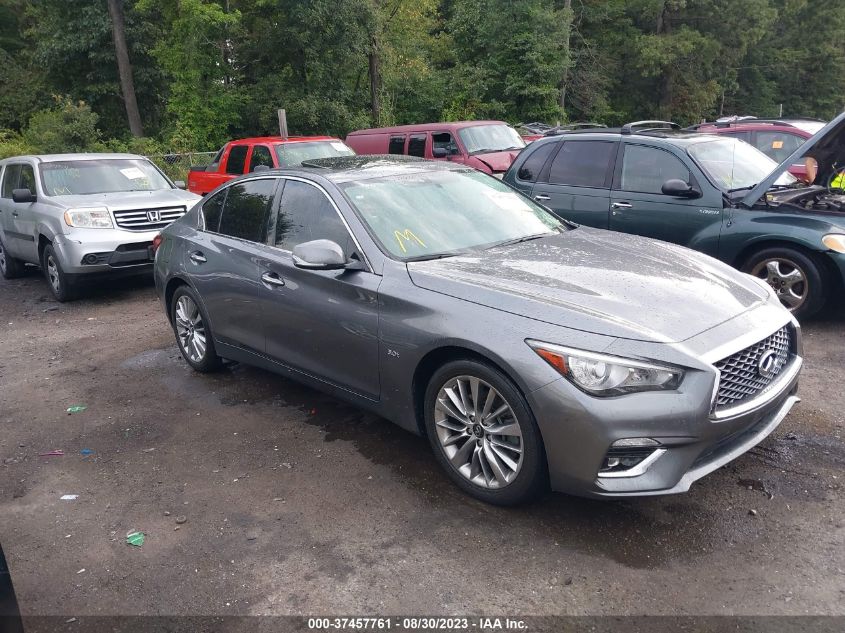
<point x="408" y="235"/>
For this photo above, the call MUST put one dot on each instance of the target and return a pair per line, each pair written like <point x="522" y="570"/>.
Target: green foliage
<point x="69" y="127"/>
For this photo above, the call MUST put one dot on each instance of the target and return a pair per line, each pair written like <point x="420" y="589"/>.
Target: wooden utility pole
<point x="124" y="68"/>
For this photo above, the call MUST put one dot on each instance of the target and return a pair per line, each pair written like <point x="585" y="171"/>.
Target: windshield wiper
<point x="519" y="240"/>
<point x="426" y="258"/>
<point x="749" y="187"/>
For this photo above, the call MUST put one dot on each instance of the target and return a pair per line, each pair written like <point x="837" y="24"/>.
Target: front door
<point x="18" y="219"/>
<point x="321" y="322"/>
<point x="638" y="204"/>
<point x="222" y="261"/>
<point x="576" y="184"/>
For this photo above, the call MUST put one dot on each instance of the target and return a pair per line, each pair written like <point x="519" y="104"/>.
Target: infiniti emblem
<point x="767" y="366"/>
<point x="154" y="215"/>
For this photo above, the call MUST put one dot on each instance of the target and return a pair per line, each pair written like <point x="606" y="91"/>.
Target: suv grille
<point x="741" y="375"/>
<point x="147" y="219"/>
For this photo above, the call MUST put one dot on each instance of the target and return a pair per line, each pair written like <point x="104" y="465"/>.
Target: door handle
<point x="272" y="279"/>
<point x="541" y="197"/>
<point x="198" y="257"/>
<point x="621" y="205"/>
<point x="14" y="214"/>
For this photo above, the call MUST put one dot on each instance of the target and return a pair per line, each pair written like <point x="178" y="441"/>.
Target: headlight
<point x="835" y="242"/>
<point x="92" y="218"/>
<point x="602" y="375"/>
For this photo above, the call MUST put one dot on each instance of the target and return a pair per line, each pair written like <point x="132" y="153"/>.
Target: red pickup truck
<point x="245" y="155"/>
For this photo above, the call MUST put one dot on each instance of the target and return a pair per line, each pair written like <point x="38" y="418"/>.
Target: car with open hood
<point x="715" y="194"/>
<point x="528" y="350"/>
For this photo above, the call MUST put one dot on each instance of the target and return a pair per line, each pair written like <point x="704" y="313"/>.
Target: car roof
<point x="342" y="169"/>
<point x="423" y="127"/>
<point x="52" y="158"/>
<point x="279" y="140"/>
<point x="681" y="138"/>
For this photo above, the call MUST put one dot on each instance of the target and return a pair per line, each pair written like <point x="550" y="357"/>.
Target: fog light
<point x="90" y="259"/>
<point x="630" y="457"/>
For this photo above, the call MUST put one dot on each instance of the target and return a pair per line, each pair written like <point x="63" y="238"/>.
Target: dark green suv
<point x="715" y="194"/>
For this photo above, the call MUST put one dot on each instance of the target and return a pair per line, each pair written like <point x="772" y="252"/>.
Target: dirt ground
<point x="296" y="503"/>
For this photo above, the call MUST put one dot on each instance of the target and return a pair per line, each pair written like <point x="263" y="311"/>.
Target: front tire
<point x="193" y="334"/>
<point x="483" y="433"/>
<point x="61" y="284"/>
<point x="10" y="267"/>
<point x="797" y="278"/>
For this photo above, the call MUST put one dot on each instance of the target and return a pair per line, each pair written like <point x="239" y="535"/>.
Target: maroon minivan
<point x="489" y="146"/>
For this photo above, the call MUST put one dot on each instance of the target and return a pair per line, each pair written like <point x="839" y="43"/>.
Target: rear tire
<point x="192" y="330"/>
<point x="10" y="267"/>
<point x="798" y="278"/>
<point x="483" y="433"/>
<point x="61" y="284"/>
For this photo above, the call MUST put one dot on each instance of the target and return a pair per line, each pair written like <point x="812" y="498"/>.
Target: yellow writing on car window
<point x="406" y="235"/>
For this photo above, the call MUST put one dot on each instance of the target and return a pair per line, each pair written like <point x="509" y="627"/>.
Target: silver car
<point x="83" y="216"/>
<point x="529" y="351"/>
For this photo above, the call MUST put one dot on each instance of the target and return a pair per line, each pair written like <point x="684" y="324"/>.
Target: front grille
<point x="741" y="377"/>
<point x="140" y="219"/>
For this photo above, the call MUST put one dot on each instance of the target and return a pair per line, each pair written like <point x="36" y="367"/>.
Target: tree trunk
<point x="665" y="93"/>
<point x="124" y="68"/>
<point x="567" y="10"/>
<point x="375" y="80"/>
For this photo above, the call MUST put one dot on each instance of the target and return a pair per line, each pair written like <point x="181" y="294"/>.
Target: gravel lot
<point x="296" y="503"/>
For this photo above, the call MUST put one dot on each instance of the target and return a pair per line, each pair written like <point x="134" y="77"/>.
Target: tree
<point x="127" y="82"/>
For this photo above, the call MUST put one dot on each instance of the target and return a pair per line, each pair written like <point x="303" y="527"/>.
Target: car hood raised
<point x="598" y="281"/>
<point x="124" y="200"/>
<point x="827" y="146"/>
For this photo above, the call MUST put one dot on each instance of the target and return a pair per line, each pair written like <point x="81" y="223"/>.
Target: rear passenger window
<point x="306" y="214"/>
<point x="646" y="169"/>
<point x="211" y="210"/>
<point x="245" y="212"/>
<point x="10" y="179"/>
<point x="237" y="159"/>
<point x="416" y="146"/>
<point x="397" y="145"/>
<point x="260" y="156"/>
<point x="533" y="165"/>
<point x="582" y="163"/>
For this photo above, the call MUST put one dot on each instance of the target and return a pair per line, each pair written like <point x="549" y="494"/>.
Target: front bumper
<point x="105" y="252"/>
<point x="579" y="430"/>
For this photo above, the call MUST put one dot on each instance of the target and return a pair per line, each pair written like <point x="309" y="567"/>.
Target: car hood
<point x="827" y="146"/>
<point x="498" y="161"/>
<point x="124" y="200"/>
<point x="598" y="281"/>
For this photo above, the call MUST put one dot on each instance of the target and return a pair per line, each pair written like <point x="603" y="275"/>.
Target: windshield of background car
<point x="442" y="212"/>
<point x="734" y="164"/>
<point x="107" y="175"/>
<point x="292" y="154"/>
<point x="490" y="138"/>
<point x="808" y="126"/>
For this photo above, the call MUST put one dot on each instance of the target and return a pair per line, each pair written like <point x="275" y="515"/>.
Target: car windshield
<point x="292" y="154"/>
<point x="734" y="164"/>
<point x="480" y="139"/>
<point x="424" y="215"/>
<point x="101" y="175"/>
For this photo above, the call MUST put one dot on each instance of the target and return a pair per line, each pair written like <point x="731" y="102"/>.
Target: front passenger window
<point x="646" y="169"/>
<point x="306" y="214"/>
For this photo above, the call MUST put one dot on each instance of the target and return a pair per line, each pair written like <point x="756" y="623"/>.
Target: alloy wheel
<point x="53" y="274"/>
<point x="478" y="432"/>
<point x="786" y="278"/>
<point x="190" y="329"/>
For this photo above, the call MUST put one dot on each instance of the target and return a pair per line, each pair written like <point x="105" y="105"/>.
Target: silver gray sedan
<point x="529" y="351"/>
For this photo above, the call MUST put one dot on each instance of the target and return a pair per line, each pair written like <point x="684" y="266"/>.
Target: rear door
<point x="321" y="322"/>
<point x="639" y="206"/>
<point x="222" y="260"/>
<point x="576" y="183"/>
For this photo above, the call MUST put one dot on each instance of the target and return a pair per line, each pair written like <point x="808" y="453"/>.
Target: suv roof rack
<point x="751" y="121"/>
<point x="580" y="126"/>
<point x="648" y="126"/>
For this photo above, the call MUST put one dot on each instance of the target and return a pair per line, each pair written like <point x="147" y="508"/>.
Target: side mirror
<point x="679" y="189"/>
<point x="22" y="196"/>
<point x="322" y="255"/>
<point x="180" y="184"/>
<point x="439" y="152"/>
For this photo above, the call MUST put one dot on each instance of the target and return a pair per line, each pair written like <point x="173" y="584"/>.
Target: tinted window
<point x="260" y="156"/>
<point x="245" y="212"/>
<point x="27" y="180"/>
<point x="646" y="169"/>
<point x="10" y="179"/>
<point x="397" y="145"/>
<point x="778" y="145"/>
<point x="216" y="161"/>
<point x="533" y="165"/>
<point x="237" y="159"/>
<point x="306" y="214"/>
<point x="445" y="141"/>
<point x="416" y="146"/>
<point x="211" y="210"/>
<point x="582" y="163"/>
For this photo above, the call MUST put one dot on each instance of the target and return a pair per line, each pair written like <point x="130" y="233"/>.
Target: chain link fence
<point x="176" y="166"/>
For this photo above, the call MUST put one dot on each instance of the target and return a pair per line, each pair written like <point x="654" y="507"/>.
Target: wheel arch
<point x="751" y="247"/>
<point x="173" y="284"/>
